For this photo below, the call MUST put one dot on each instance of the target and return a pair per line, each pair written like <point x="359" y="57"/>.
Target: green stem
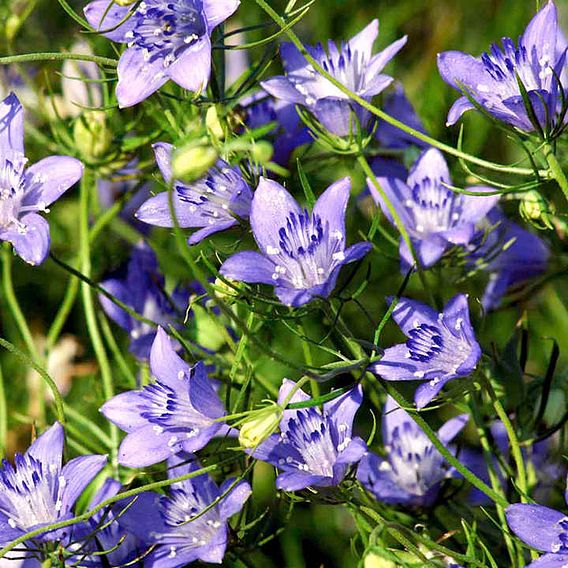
<point x="3" y="416"/>
<point x="27" y="57"/>
<point x="555" y="170"/>
<point x="381" y="114"/>
<point x="90" y="316"/>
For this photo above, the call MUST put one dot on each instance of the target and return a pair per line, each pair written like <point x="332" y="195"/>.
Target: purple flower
<point x="167" y="39"/>
<point x="509" y="253"/>
<point x="353" y="65"/>
<point x="142" y="289"/>
<point x="102" y="541"/>
<point x="541" y="528"/>
<point x="167" y="521"/>
<point x="290" y="133"/>
<point x="414" y="469"/>
<point x="175" y="413"/>
<point x="440" y="347"/>
<point x="301" y="252"/>
<point x="435" y="217"/>
<point x="38" y="490"/>
<point x="539" y="62"/>
<point x="26" y="191"/>
<point x="213" y="203"/>
<point x="315" y="447"/>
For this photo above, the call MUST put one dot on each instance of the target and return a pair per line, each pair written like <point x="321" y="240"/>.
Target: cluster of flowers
<point x="300" y="253"/>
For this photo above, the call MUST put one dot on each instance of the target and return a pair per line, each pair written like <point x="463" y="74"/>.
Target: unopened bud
<point x="213" y="124"/>
<point x="373" y="560"/>
<point x="192" y="162"/>
<point x="536" y="210"/>
<point x="225" y="292"/>
<point x="11" y="26"/>
<point x="124" y="2"/>
<point x="260" y="425"/>
<point x="91" y="134"/>
<point x="262" y="151"/>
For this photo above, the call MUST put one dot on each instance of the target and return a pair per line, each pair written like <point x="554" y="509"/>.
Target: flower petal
<point x="78" y="473"/>
<point x="49" y="178"/>
<point x="342" y="410"/>
<point x="460" y="106"/>
<point x="271" y="206"/>
<point x="331" y="207"/>
<point x="217" y="11"/>
<point x="449" y="430"/>
<point x="296" y="480"/>
<point x="191" y="70"/>
<point x="550" y="561"/>
<point x="430" y="165"/>
<point x="249" y="266"/>
<point x="282" y="88"/>
<point x="536" y="525"/>
<point x="144" y="447"/>
<point x="364" y="40"/>
<point x="48" y="448"/>
<point x="409" y="314"/>
<point x="235" y="500"/>
<point x="202" y="395"/>
<point x="32" y="241"/>
<point x="166" y="365"/>
<point x="163" y="154"/>
<point x="217" y="227"/>
<point x="458" y="67"/>
<point x="380" y="60"/>
<point x="429" y="390"/>
<point x="11" y="125"/>
<point x="104" y="15"/>
<point x="539" y="38"/>
<point x="123" y="410"/>
<point x="156" y="211"/>
<point x="137" y="78"/>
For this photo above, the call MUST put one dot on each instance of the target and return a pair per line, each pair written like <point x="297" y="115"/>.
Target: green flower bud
<point x="213" y="124"/>
<point x="262" y="151"/>
<point x="91" y="135"/>
<point x="124" y="2"/>
<point x="260" y="425"/>
<point x="372" y="560"/>
<point x="536" y="210"/>
<point x="190" y="163"/>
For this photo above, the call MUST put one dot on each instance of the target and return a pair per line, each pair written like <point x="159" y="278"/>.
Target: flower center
<point x="166" y="28"/>
<point x="425" y="342"/>
<point x="30" y="492"/>
<point x="434" y="207"/>
<point x="307" y="254"/>
<point x="11" y="189"/>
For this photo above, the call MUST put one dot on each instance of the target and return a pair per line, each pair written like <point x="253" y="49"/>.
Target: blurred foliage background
<point x="317" y="535"/>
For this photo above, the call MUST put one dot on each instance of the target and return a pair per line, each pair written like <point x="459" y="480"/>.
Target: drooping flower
<point x="24" y="192"/>
<point x="509" y="253"/>
<point x="166" y="39"/>
<point x="414" y="469"/>
<point x="301" y="252"/>
<point x="492" y="80"/>
<point x="542" y="528"/>
<point x="315" y="447"/>
<point x="38" y="490"/>
<point x="289" y="133"/>
<point x="435" y="217"/>
<point x="353" y="65"/>
<point x="440" y="347"/>
<point x="174" y="413"/>
<point x="213" y="203"/>
<point x="168" y="523"/>
<point x="142" y="289"/>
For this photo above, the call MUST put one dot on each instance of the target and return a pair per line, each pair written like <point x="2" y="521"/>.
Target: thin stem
<point x="555" y="170"/>
<point x="90" y="316"/>
<point x="26" y="57"/>
<point x="3" y="415"/>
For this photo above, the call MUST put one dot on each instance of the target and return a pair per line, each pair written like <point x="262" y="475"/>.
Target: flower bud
<point x="535" y="209"/>
<point x="225" y="292"/>
<point x="124" y="2"/>
<point x="372" y="560"/>
<point x="91" y="135"/>
<point x="260" y="425"/>
<point x="262" y="151"/>
<point x="190" y="163"/>
<point x="213" y="124"/>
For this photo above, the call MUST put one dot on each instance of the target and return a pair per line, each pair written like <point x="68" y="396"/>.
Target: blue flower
<point x="38" y="490"/>
<point x="177" y="412"/>
<point x="414" y="469"/>
<point x="214" y="203"/>
<point x="301" y="252"/>
<point x="440" y="347"/>
<point x="142" y="290"/>
<point x="315" y="447"/>
<point x="435" y="217"/>
<point x="25" y="192"/>
<point x="509" y="253"/>
<point x="167" y="39"/>
<point x="353" y="65"/>
<point x="542" y="528"/>
<point x="168" y="523"/>
<point x="492" y="80"/>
